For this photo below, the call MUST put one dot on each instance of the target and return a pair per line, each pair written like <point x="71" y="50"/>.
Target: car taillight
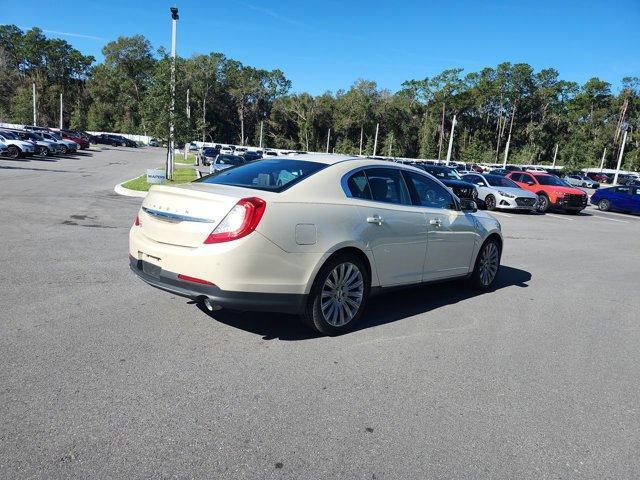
<point x="137" y="221"/>
<point x="239" y="222"/>
<point x="187" y="278"/>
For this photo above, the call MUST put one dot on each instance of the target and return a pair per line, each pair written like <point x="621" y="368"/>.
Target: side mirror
<point x="467" y="205"/>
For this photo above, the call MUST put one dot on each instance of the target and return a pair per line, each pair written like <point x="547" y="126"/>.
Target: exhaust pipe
<point x="210" y="305"/>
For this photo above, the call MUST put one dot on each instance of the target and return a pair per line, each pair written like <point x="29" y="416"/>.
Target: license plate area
<point x="151" y="269"/>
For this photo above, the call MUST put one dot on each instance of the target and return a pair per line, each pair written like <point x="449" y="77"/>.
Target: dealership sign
<point x="156" y="175"/>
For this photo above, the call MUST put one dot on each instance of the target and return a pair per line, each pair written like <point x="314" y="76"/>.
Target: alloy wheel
<point x="490" y="202"/>
<point x="342" y="294"/>
<point x="604" y="205"/>
<point x="489" y="262"/>
<point x="543" y="203"/>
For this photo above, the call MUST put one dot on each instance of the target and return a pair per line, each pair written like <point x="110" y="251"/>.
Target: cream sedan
<point x="314" y="235"/>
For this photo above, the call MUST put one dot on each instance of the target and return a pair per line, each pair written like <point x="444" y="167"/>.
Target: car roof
<point x="328" y="158"/>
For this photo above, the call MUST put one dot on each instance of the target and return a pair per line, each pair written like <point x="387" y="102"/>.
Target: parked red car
<point x="552" y="192"/>
<point x="79" y="140"/>
<point x="598" y="177"/>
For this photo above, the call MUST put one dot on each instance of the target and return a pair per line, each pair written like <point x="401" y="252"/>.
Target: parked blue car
<point x="623" y="198"/>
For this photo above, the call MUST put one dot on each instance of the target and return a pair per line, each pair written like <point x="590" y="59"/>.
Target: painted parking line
<point x="501" y="214"/>
<point x="558" y="216"/>
<point x="600" y="212"/>
<point x="602" y="217"/>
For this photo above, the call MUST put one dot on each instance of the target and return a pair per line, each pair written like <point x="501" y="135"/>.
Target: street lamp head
<point x="174" y="13"/>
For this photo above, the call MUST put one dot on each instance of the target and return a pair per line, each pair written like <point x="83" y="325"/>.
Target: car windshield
<point x="209" y="151"/>
<point x="10" y="135"/>
<point x="55" y="135"/>
<point x="498" y="181"/>
<point x="273" y="175"/>
<point x="446" y="173"/>
<point x="550" y="180"/>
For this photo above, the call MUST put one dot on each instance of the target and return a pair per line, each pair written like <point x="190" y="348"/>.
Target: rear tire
<point x="64" y="149"/>
<point x="604" y="205"/>
<point x="487" y="265"/>
<point x="338" y="296"/>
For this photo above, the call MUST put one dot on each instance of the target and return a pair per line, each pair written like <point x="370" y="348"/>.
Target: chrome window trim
<point x="347" y="192"/>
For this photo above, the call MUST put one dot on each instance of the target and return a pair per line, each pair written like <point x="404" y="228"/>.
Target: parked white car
<point x="315" y="235"/>
<point x="226" y="150"/>
<point x="498" y="192"/>
<point x="16" y="148"/>
<point x="578" y="180"/>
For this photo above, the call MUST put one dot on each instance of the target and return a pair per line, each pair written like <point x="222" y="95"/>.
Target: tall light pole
<point x="604" y="153"/>
<point x="624" y="141"/>
<point x="188" y="112"/>
<point x="555" y="154"/>
<point x="261" y="128"/>
<point x="172" y="108"/>
<point x="328" y="139"/>
<point x="375" y="141"/>
<point x="34" y="103"/>
<point x="453" y="127"/>
<point x="61" y="111"/>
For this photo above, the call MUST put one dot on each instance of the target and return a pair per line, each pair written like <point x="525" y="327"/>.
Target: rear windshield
<point x="272" y="175"/>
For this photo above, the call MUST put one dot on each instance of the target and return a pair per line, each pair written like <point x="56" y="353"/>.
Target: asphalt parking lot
<point x="102" y="376"/>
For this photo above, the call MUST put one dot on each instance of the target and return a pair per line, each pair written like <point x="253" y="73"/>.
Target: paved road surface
<point x="102" y="376"/>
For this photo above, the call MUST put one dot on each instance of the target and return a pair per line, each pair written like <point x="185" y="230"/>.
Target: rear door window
<point x="358" y="186"/>
<point x="387" y="185"/>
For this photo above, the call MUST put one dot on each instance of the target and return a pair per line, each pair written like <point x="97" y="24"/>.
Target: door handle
<point x="436" y="221"/>
<point x="375" y="219"/>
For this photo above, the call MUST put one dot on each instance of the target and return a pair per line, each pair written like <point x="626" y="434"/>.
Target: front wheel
<point x="543" y="203"/>
<point x="13" y="152"/>
<point x="487" y="265"/>
<point x="490" y="202"/>
<point x="604" y="205"/>
<point x="338" y="295"/>
<point x="64" y="149"/>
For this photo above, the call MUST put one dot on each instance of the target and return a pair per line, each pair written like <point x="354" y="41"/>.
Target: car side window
<point x="425" y="192"/>
<point x="528" y="179"/>
<point x="475" y="179"/>
<point x="387" y="185"/>
<point x="622" y="190"/>
<point x="516" y="177"/>
<point x="359" y="186"/>
<point x="636" y="191"/>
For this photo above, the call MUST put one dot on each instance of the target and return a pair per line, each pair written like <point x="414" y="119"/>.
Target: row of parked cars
<point x="30" y="140"/>
<point x="221" y="157"/>
<point x="19" y="143"/>
<point x="536" y="190"/>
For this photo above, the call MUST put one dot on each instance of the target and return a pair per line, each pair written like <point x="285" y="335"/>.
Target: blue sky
<point x="328" y="44"/>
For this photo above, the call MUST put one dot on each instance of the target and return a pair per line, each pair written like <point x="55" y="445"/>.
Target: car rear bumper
<point x="253" y="301"/>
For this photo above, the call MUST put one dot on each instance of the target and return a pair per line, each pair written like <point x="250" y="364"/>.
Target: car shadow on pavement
<point x="384" y="308"/>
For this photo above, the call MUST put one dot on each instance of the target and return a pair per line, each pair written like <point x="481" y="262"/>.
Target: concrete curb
<point x="127" y="192"/>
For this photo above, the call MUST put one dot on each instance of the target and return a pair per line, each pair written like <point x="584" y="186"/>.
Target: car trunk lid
<point x="185" y="215"/>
